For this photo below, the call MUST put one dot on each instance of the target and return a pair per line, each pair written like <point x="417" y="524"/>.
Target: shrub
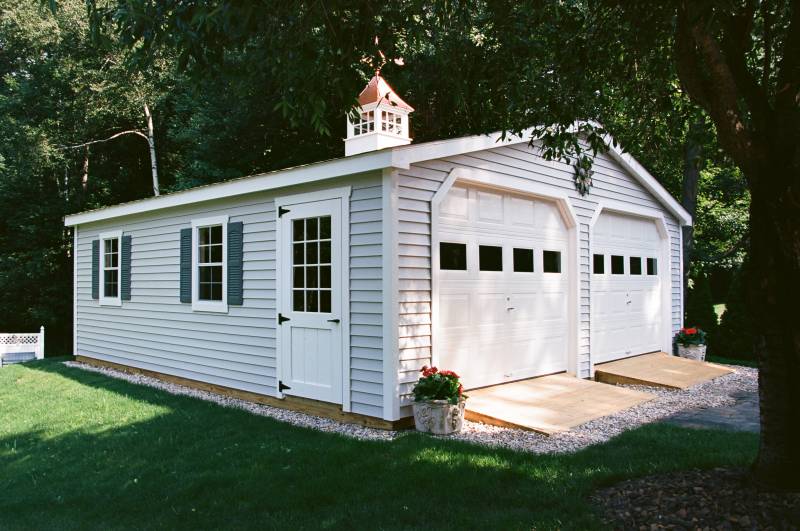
<point x="700" y="307"/>
<point x="438" y="385"/>
<point x="734" y="337"/>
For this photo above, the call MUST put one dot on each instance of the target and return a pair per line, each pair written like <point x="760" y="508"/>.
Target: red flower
<point x="691" y="331"/>
<point x="449" y="373"/>
<point x="428" y="371"/>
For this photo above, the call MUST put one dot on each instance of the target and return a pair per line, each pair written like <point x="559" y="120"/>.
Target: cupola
<point x="382" y="119"/>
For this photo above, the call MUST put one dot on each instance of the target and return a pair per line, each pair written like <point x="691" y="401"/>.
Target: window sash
<point x="110" y="268"/>
<point x="209" y="264"/>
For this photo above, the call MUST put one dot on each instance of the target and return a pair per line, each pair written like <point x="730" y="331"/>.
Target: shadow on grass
<point x="97" y="452"/>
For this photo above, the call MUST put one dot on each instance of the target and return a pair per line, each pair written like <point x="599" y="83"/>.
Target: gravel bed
<point x="711" y="499"/>
<point x="713" y="393"/>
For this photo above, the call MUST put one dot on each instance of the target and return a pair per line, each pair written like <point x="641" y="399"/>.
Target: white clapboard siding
<point x="155" y="331"/>
<point x="416" y="187"/>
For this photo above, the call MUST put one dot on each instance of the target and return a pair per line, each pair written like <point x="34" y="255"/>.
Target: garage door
<point x="503" y="286"/>
<point x="626" y="287"/>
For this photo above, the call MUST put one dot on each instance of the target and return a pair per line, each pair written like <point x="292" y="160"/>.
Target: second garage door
<point x="626" y="287"/>
<point x="503" y="286"/>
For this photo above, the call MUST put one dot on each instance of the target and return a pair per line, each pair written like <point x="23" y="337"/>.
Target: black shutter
<point x="125" y="269"/>
<point x="235" y="256"/>
<point x="95" y="269"/>
<point x="186" y="265"/>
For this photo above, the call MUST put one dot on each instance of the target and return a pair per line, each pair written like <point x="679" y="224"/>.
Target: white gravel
<point x="713" y="393"/>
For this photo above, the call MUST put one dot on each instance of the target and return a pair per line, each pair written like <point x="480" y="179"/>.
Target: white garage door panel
<point x="626" y="308"/>
<point x="496" y="326"/>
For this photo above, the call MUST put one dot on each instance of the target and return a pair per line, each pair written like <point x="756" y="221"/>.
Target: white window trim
<point x="210" y="306"/>
<point x="102" y="299"/>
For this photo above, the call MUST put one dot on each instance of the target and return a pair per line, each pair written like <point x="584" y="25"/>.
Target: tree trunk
<point x="773" y="280"/>
<point x="692" y="162"/>
<point x="151" y="143"/>
<point x="85" y="170"/>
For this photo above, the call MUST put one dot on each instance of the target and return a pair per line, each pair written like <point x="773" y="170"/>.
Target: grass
<point x="732" y="361"/>
<point x="79" y="450"/>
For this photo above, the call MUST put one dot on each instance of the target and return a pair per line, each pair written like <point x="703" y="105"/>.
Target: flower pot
<point x="439" y="417"/>
<point x="692" y="352"/>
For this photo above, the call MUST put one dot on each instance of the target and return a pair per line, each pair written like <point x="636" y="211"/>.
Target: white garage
<point x="503" y="285"/>
<point x="626" y="287"/>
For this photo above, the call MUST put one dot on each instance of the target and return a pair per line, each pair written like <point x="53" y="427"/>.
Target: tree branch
<point x="112" y="137"/>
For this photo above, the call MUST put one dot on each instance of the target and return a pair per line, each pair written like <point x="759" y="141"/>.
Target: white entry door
<point x="310" y="300"/>
<point x="503" y="286"/>
<point x="626" y="287"/>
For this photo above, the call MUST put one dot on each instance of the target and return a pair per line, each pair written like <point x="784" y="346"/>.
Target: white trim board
<point x="398" y="157"/>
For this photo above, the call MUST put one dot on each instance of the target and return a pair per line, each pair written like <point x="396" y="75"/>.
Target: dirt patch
<point x="698" y="499"/>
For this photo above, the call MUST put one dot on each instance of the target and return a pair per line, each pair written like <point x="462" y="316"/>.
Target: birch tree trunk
<point x="151" y="142"/>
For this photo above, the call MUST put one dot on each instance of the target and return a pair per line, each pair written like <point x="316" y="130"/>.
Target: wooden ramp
<point x="658" y="370"/>
<point x="549" y="404"/>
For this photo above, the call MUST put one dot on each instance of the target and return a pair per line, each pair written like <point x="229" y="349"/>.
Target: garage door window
<point x="551" y="261"/>
<point x="636" y="265"/>
<point x="453" y="256"/>
<point x="523" y="260"/>
<point x="617" y="265"/>
<point x="599" y="264"/>
<point x="490" y="258"/>
<point x="652" y="266"/>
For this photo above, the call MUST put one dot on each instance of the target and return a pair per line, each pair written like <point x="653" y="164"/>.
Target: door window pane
<point x="453" y="256"/>
<point x="551" y="261"/>
<point x="312" y="282"/>
<point x="617" y="265"/>
<point x="652" y="266"/>
<point x="599" y="264"/>
<point x="490" y="258"/>
<point x="523" y="260"/>
<point x="636" y="265"/>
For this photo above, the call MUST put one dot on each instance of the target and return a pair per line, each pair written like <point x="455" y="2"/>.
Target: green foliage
<point x="438" y="385"/>
<point x="700" y="307"/>
<point x="735" y="335"/>
<point x="80" y="450"/>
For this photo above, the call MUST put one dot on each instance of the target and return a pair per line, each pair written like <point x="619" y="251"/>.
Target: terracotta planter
<point x="692" y="352"/>
<point x="439" y="417"/>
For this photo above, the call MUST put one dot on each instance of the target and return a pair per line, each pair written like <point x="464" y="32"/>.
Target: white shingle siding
<point x="419" y="183"/>
<point x="155" y="331"/>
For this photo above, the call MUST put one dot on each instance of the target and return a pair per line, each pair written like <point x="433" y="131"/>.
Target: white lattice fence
<point x="14" y="346"/>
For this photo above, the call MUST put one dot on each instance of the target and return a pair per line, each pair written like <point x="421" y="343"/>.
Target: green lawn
<point x="79" y="450"/>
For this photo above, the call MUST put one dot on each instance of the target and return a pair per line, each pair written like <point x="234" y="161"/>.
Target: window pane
<point x="216" y="253"/>
<point x="297" y="230"/>
<point x="523" y="260"/>
<point x="205" y="275"/>
<point x="311" y="277"/>
<point x="325" y="227"/>
<point x="311" y="253"/>
<point x="551" y="261"/>
<point x="453" y="256"/>
<point x="299" y="276"/>
<point x="617" y="265"/>
<point x="325" y="277"/>
<point x="325" y="301"/>
<point x="311" y="301"/>
<point x="216" y="292"/>
<point x="490" y="258"/>
<point x="298" y="300"/>
<point x="205" y="292"/>
<point x="652" y="266"/>
<point x="203" y="236"/>
<point x="299" y="254"/>
<point x="636" y="265"/>
<point x="324" y="252"/>
<point x="216" y="274"/>
<point x="216" y="234"/>
<point x="311" y="229"/>
<point x="599" y="264"/>
<point x="110" y="283"/>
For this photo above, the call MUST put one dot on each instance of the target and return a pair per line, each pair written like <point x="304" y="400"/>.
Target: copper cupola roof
<point x="378" y="90"/>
